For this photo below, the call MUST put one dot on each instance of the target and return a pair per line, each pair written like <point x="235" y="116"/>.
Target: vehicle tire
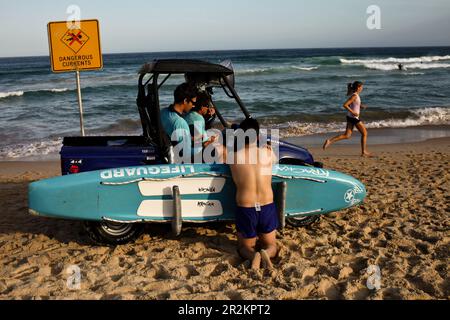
<point x="302" y="221"/>
<point x="112" y="233"/>
<point x="318" y="165"/>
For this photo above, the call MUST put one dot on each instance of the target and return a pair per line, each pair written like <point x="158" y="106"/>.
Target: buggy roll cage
<point x="196" y="71"/>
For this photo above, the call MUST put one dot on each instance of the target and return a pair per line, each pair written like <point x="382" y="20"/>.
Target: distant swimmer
<point x="400" y="67"/>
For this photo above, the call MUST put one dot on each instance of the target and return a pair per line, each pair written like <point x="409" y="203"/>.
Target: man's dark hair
<point x="250" y="124"/>
<point x="185" y="91"/>
<point x="202" y="101"/>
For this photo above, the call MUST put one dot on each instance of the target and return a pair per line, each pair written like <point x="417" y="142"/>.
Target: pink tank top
<point x="355" y="106"/>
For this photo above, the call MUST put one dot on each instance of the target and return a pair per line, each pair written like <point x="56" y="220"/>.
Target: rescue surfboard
<point x="144" y="194"/>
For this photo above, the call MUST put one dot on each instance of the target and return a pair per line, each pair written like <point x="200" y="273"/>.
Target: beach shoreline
<point x="377" y="137"/>
<point x="402" y="228"/>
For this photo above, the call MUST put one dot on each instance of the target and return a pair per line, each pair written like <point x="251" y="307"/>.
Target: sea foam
<point x="390" y="64"/>
<point x="420" y="117"/>
<point x="4" y="95"/>
<point x="11" y="94"/>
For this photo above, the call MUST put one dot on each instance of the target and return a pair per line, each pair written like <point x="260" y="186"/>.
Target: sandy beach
<point x="403" y="228"/>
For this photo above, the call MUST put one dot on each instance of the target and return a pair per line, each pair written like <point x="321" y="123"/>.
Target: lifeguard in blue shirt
<point x="172" y="119"/>
<point x="197" y="125"/>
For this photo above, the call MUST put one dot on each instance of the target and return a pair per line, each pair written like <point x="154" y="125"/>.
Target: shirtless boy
<point x="256" y="216"/>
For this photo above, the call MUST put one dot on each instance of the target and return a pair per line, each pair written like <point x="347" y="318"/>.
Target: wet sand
<point x="403" y="227"/>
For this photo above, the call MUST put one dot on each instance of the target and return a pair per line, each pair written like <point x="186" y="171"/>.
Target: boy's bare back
<point x="252" y="175"/>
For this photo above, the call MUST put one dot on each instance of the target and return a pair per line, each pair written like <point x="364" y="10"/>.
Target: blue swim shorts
<point x="250" y="222"/>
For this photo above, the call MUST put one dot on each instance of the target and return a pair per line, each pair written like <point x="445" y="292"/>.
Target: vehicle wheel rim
<point x="116" y="229"/>
<point x="301" y="219"/>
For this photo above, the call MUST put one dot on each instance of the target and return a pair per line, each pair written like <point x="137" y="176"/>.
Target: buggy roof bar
<point x="178" y="66"/>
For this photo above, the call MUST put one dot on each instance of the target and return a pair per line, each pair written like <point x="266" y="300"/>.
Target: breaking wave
<point x="270" y="70"/>
<point x="11" y="94"/>
<point x="58" y="90"/>
<point x="390" y="67"/>
<point x="4" y="95"/>
<point x="52" y="146"/>
<point x="305" y="68"/>
<point x="34" y="149"/>
<point x="389" y="64"/>
<point x="424" y="59"/>
<point x="422" y="117"/>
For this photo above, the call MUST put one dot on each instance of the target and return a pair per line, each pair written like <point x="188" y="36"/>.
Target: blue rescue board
<point x="144" y="194"/>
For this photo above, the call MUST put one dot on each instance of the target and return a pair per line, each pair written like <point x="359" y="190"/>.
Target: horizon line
<point x="225" y="50"/>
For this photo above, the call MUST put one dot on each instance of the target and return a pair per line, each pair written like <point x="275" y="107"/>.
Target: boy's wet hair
<point x="250" y="124"/>
<point x="185" y="91"/>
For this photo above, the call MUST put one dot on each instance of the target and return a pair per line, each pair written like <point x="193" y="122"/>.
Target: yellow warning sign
<point x="75" y="47"/>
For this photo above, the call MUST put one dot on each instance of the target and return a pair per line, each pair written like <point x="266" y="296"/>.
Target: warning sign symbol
<point x="75" y="39"/>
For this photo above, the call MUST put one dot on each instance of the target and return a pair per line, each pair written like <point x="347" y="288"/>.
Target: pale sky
<point x="181" y="25"/>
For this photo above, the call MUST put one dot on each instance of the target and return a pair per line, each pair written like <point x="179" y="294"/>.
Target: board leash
<point x="201" y="173"/>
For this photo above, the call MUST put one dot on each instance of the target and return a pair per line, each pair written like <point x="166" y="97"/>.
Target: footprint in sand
<point x="24" y="271"/>
<point x="356" y="292"/>
<point x="421" y="284"/>
<point x="234" y="295"/>
<point x="57" y="268"/>
<point x="308" y="275"/>
<point x="163" y="274"/>
<point x="392" y="294"/>
<point x="359" y="264"/>
<point x="220" y="269"/>
<point x="345" y="273"/>
<point x="292" y="271"/>
<point x="179" y="273"/>
<point x="329" y="290"/>
<point x="116" y="278"/>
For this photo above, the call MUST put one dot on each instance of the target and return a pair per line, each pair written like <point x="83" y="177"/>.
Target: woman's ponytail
<point x="349" y="89"/>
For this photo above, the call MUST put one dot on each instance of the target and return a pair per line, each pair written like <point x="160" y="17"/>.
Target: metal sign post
<point x="80" y="102"/>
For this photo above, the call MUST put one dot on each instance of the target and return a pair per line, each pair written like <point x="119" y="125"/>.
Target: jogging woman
<point x="353" y="105"/>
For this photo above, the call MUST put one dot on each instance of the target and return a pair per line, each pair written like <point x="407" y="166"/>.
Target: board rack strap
<point x="177" y="222"/>
<point x="205" y="174"/>
<point x="281" y="193"/>
<point x="218" y="175"/>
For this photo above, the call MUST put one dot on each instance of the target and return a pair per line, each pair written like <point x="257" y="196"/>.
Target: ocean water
<point x="299" y="91"/>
